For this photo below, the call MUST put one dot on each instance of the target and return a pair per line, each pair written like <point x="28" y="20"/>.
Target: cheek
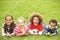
<point x="37" y="21"/>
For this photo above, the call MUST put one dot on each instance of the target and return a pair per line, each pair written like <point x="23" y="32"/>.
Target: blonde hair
<point x="20" y="19"/>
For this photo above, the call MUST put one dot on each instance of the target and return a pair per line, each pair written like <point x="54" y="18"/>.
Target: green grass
<point x="48" y="8"/>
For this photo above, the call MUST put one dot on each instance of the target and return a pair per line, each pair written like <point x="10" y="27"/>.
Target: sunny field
<point x="47" y="8"/>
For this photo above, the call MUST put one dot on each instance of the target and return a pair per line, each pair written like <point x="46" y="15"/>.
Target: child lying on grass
<point x="35" y="26"/>
<point x="21" y="28"/>
<point x="8" y="26"/>
<point x="51" y="29"/>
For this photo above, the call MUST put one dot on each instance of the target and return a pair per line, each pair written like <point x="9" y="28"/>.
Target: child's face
<point x="21" y="23"/>
<point x="35" y="21"/>
<point x="52" y="25"/>
<point x="8" y="20"/>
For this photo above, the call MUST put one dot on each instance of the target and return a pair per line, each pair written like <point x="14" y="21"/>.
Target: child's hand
<point x="22" y="30"/>
<point x="23" y="33"/>
<point x="8" y="35"/>
<point x="48" y="34"/>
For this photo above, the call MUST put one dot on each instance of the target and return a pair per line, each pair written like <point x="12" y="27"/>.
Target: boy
<point x="51" y="29"/>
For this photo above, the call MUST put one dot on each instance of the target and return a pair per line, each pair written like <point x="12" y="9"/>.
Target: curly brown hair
<point x="38" y="16"/>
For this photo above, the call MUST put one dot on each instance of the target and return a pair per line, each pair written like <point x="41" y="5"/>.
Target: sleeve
<point x="13" y="31"/>
<point x="16" y="32"/>
<point x="27" y="29"/>
<point x="55" y="32"/>
<point x="45" y="31"/>
<point x="3" y="33"/>
<point x="40" y="28"/>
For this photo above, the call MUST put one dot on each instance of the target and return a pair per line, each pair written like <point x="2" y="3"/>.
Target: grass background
<point x="48" y="8"/>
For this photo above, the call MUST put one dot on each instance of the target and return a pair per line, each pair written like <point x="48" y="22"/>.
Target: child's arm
<point x="45" y="31"/>
<point x="16" y="31"/>
<point x="55" y="32"/>
<point x="27" y="30"/>
<point x="3" y="33"/>
<point x="12" y="34"/>
<point x="40" y="29"/>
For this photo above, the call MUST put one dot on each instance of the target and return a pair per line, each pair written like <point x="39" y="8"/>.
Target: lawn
<point x="47" y="8"/>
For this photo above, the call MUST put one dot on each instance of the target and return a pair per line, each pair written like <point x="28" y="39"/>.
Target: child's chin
<point x="35" y="24"/>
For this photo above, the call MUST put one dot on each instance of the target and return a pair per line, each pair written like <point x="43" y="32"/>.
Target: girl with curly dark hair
<point x="36" y="24"/>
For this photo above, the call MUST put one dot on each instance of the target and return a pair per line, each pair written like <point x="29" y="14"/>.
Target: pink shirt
<point x="17" y="31"/>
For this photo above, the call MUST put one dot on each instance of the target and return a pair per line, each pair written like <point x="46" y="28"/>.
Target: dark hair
<point x="38" y="16"/>
<point x="8" y="16"/>
<point x="11" y="26"/>
<point x="53" y="21"/>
